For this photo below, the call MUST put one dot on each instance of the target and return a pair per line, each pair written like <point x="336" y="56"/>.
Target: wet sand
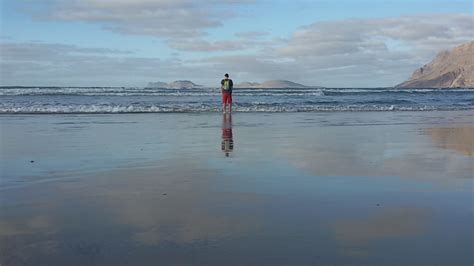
<point x="360" y="188"/>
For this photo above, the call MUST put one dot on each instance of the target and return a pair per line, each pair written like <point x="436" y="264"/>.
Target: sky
<point x="331" y="43"/>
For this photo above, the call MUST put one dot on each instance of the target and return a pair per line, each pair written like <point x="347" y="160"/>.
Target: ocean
<point x="46" y="100"/>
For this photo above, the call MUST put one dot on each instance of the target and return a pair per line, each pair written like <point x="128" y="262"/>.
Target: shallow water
<point x="378" y="188"/>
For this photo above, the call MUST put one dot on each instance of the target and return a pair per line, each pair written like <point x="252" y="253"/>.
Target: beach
<point x="298" y="188"/>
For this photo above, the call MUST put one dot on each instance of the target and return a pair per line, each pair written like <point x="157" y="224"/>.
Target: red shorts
<point x="227" y="133"/>
<point x="226" y="97"/>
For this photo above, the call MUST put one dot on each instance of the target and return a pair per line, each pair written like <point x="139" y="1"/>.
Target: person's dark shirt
<point x="231" y="85"/>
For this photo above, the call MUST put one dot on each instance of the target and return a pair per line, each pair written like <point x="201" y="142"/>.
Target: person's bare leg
<point x="230" y="108"/>
<point x="223" y="108"/>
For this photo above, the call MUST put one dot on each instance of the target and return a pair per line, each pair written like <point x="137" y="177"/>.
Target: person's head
<point x="226" y="75"/>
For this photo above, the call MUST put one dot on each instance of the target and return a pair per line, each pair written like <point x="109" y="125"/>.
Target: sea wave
<point x="131" y="91"/>
<point x="63" y="100"/>
<point x="88" y="109"/>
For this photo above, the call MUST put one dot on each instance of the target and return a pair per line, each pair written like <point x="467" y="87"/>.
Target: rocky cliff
<point x="450" y="69"/>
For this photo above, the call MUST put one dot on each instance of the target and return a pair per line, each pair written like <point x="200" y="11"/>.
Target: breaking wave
<point x="65" y="100"/>
<point x="88" y="109"/>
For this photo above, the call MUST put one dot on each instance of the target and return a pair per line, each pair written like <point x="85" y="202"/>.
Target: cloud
<point x="200" y="45"/>
<point x="35" y="51"/>
<point x="182" y="23"/>
<point x="430" y="32"/>
<point x="160" y="18"/>
<point x="207" y="46"/>
<point x="356" y="53"/>
<point x="357" y="70"/>
<point x="37" y="64"/>
<point x="343" y="53"/>
<point x="252" y="34"/>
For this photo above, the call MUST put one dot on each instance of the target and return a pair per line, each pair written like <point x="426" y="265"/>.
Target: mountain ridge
<point x="449" y="69"/>
<point x="276" y="84"/>
<point x="187" y="84"/>
<point x="177" y="84"/>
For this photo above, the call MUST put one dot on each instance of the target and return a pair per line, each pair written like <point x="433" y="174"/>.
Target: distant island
<point x="178" y="84"/>
<point x="187" y="84"/>
<point x="277" y="84"/>
<point x="450" y="69"/>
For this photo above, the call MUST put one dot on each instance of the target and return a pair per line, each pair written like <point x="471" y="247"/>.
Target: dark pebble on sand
<point x="32" y="161"/>
<point x="164" y="194"/>
<point x="378" y="204"/>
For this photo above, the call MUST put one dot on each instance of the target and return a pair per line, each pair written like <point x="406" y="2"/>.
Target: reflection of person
<point x="226" y="88"/>
<point x="227" y="145"/>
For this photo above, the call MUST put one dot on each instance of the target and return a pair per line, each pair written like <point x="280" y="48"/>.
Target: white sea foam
<point x="196" y="109"/>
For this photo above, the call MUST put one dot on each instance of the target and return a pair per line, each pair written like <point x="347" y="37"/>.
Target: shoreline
<point x="218" y="111"/>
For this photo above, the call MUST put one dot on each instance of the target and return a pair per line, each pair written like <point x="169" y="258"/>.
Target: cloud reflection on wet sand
<point x="332" y="152"/>
<point x="391" y="223"/>
<point x="313" y="200"/>
<point x="459" y="139"/>
<point x="175" y="203"/>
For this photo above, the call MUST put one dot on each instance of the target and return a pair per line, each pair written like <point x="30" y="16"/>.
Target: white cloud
<point x="200" y="45"/>
<point x="428" y="32"/>
<point x="34" y="64"/>
<point x="37" y="51"/>
<point x="252" y="34"/>
<point x="352" y="53"/>
<point x="207" y="46"/>
<point x="244" y="41"/>
<point x="160" y="18"/>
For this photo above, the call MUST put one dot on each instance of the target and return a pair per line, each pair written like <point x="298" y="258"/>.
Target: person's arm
<point x="231" y="84"/>
<point x="222" y="86"/>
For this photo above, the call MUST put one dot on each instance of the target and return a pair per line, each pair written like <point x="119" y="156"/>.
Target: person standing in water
<point x="226" y="89"/>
